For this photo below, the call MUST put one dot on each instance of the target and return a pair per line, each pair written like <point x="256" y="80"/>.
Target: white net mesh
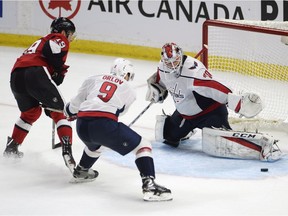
<point x="250" y="61"/>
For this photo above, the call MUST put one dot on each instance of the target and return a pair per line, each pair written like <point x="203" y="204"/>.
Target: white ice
<point x="39" y="184"/>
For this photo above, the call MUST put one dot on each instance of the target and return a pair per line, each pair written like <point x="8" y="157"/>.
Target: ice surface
<point x="38" y="184"/>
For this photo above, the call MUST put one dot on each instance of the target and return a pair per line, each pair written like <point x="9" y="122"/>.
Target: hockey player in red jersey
<point x="201" y="102"/>
<point x="100" y="101"/>
<point x="34" y="80"/>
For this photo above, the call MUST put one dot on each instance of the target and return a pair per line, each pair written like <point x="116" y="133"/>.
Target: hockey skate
<point x="154" y="192"/>
<point x="12" y="149"/>
<point x="175" y="144"/>
<point x="171" y="143"/>
<point x="67" y="154"/>
<point x="82" y="174"/>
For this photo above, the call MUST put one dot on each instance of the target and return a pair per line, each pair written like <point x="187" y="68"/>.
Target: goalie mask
<point x="123" y="68"/>
<point x="63" y="24"/>
<point x="171" y="56"/>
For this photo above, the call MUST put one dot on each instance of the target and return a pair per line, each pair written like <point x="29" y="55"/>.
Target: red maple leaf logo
<point x="60" y="4"/>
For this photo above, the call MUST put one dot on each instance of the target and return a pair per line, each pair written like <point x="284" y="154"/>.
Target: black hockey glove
<point x="58" y="75"/>
<point x="57" y="78"/>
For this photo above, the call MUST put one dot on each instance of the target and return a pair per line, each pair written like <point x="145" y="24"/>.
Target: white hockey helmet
<point x="171" y="56"/>
<point x="122" y="68"/>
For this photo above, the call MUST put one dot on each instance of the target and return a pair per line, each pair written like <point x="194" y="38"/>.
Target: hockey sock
<point x="146" y="166"/>
<point x="86" y="161"/>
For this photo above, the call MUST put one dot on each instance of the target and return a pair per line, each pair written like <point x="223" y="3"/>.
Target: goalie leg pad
<point x="159" y="127"/>
<point x="270" y="151"/>
<point x="241" y="145"/>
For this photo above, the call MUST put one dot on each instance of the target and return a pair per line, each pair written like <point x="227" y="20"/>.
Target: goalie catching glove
<point x="247" y="104"/>
<point x="155" y="92"/>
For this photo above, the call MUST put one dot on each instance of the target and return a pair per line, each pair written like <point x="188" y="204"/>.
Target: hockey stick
<point x="143" y="111"/>
<point x="51" y="109"/>
<point x="54" y="146"/>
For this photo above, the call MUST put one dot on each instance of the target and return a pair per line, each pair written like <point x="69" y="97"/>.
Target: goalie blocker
<point x="155" y="92"/>
<point x="240" y="145"/>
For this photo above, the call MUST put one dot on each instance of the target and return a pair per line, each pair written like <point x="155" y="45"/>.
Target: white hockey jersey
<point x="193" y="88"/>
<point x="103" y="96"/>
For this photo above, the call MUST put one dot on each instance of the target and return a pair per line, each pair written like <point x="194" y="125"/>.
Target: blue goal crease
<point x="188" y="160"/>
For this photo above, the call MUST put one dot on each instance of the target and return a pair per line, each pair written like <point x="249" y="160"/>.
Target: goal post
<point x="251" y="56"/>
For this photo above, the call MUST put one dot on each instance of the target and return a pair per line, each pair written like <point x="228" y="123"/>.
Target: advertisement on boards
<point x="135" y="22"/>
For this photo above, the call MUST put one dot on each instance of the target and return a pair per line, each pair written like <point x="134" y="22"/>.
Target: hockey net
<point x="251" y="56"/>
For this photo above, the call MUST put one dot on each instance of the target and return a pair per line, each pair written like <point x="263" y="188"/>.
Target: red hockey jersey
<point x="49" y="51"/>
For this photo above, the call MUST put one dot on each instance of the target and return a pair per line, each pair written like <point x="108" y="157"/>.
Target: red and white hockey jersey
<point x="193" y="88"/>
<point x="103" y="96"/>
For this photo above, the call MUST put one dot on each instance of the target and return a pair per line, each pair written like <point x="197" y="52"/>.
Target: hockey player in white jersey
<point x="98" y="104"/>
<point x="201" y="102"/>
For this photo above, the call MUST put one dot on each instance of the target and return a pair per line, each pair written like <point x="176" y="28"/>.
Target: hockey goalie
<point x="202" y="102"/>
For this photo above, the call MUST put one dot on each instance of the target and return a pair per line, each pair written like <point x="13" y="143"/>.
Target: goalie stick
<point x="140" y="114"/>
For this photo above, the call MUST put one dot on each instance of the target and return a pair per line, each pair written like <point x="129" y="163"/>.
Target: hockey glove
<point x="58" y="75"/>
<point x="70" y="116"/>
<point x="156" y="93"/>
<point x="64" y="69"/>
<point x="247" y="104"/>
<point x="57" y="78"/>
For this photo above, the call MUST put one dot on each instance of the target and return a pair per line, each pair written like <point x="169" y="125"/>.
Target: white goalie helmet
<point x="122" y="68"/>
<point x="171" y="56"/>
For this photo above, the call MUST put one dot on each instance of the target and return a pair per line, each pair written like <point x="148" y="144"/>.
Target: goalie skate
<point x="81" y="175"/>
<point x="153" y="192"/>
<point x="175" y="144"/>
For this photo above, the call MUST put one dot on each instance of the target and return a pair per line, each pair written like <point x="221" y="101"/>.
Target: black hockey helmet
<point x="61" y="23"/>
